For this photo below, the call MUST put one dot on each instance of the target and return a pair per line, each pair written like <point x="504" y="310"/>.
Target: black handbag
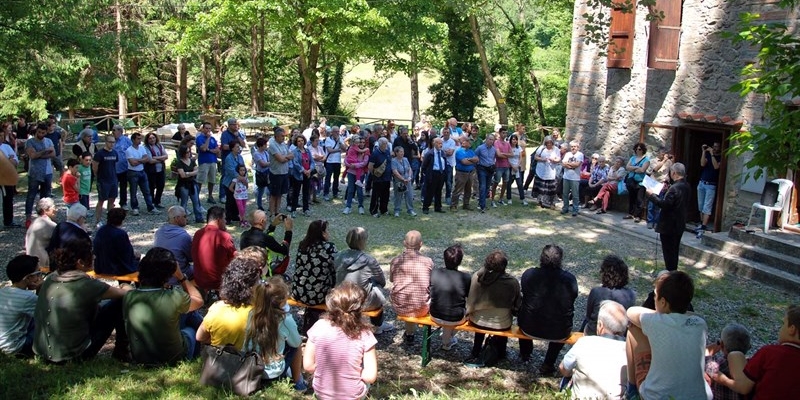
<point x="262" y="179"/>
<point x="401" y="187"/>
<point x="228" y="368"/>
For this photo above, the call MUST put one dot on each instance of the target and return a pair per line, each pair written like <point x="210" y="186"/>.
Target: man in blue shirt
<point x="39" y="150"/>
<point x="207" y="153"/>
<point x="465" y="172"/>
<point x="120" y="146"/>
<point x="486" y="156"/>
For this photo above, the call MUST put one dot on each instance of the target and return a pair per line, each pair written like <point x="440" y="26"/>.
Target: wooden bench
<point x="323" y="307"/>
<point x="132" y="277"/>
<point x="513" y="332"/>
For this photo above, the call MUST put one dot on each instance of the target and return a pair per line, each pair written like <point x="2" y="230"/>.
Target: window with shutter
<point x="665" y="36"/>
<point x="620" y="48"/>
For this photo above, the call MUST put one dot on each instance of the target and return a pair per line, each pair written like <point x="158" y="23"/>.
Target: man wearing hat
<point x="17" y="305"/>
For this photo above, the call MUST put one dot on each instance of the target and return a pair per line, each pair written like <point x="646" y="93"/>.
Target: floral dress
<point x="314" y="274"/>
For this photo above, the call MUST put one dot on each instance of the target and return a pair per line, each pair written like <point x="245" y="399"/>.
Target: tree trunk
<point x="122" y="98"/>
<point x="181" y="82"/>
<point x="415" y="117"/>
<point x="254" y="50"/>
<point x="261" y="62"/>
<point x="203" y="82"/>
<point x="308" y="73"/>
<point x="539" y="105"/>
<point x="133" y="78"/>
<point x="217" y="54"/>
<point x="502" y="110"/>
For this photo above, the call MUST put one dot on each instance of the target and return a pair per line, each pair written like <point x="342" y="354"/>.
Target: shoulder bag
<point x="228" y="368"/>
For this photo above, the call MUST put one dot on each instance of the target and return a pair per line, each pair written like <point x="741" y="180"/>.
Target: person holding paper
<point x="673" y="214"/>
<point x="659" y="171"/>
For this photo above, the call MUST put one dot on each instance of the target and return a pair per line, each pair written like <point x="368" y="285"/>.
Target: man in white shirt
<point x="597" y="364"/>
<point x="572" y="162"/>
<point x="449" y="148"/>
<point x="334" y="146"/>
<point x="137" y="157"/>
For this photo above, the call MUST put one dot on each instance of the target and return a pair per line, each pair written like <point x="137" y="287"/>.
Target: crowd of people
<point x="629" y="351"/>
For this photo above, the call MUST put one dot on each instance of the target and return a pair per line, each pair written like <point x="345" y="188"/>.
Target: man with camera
<point x="710" y="160"/>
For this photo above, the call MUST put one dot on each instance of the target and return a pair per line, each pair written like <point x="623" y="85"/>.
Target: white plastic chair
<point x="782" y="204"/>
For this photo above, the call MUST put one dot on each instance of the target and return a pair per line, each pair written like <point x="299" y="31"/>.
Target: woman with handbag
<point x="186" y="188"/>
<point x="340" y="351"/>
<point x="272" y="332"/>
<point x="402" y="175"/>
<point x="637" y="167"/>
<point x="303" y="167"/>
<point x="261" y="166"/>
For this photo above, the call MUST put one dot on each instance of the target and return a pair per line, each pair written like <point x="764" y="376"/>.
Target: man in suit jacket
<point x="673" y="215"/>
<point x="434" y="165"/>
<point x="70" y="230"/>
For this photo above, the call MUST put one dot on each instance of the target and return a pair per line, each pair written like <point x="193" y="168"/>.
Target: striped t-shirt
<point x="16" y="312"/>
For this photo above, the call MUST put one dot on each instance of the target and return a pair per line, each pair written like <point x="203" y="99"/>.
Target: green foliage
<point x="775" y="74"/>
<point x="598" y="18"/>
<point x="516" y="65"/>
<point x="461" y="86"/>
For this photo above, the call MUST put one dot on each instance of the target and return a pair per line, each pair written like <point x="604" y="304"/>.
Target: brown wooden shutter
<point x="665" y="36"/>
<point x="620" y="50"/>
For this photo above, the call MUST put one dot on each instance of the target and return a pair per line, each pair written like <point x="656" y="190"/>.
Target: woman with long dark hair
<point x="314" y="274"/>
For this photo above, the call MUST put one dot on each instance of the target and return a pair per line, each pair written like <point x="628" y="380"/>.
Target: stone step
<point x="740" y="266"/>
<point x="780" y="242"/>
<point x="781" y="261"/>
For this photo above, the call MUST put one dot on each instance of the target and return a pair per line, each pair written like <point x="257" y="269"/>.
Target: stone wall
<point x="606" y="107"/>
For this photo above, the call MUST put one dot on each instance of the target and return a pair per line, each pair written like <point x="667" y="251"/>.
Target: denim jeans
<point x="654" y="211"/>
<point x="705" y="197"/>
<point x="260" y="195"/>
<point x="43" y="187"/>
<point x="189" y="323"/>
<point x="415" y="164"/>
<point x="352" y="189"/>
<point x="138" y="180"/>
<point x="156" y="181"/>
<point x="574" y="187"/>
<point x="183" y="193"/>
<point x="448" y="181"/>
<point x="399" y="196"/>
<point x="484" y="178"/>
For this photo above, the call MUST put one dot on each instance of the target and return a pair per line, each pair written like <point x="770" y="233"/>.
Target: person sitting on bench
<point x="494" y="297"/>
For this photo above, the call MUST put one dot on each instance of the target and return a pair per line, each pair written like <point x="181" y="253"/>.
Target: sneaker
<point x="155" y="211"/>
<point x="508" y="202"/>
<point x="211" y="201"/>
<point x="125" y="207"/>
<point x="397" y="213"/>
<point x="699" y="234"/>
<point x="412" y="213"/>
<point x="307" y="213"/>
<point x="385" y="327"/>
<point x="494" y="205"/>
<point x="327" y="198"/>
<point x="361" y="210"/>
<point x="301" y="386"/>
<point x="449" y="345"/>
<point x="346" y="210"/>
<point x="524" y="202"/>
<point x="376" y="215"/>
<point x="649" y="225"/>
<point x="483" y="210"/>
<point x="135" y="211"/>
<point x="294" y="215"/>
<point x="360" y="184"/>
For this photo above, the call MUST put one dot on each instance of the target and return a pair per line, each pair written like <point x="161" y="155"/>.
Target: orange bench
<point x="323" y="307"/>
<point x="514" y="332"/>
<point x="132" y="277"/>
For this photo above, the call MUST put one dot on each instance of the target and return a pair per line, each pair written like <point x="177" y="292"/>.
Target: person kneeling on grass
<point x="17" y="305"/>
<point x="161" y="321"/>
<point x="340" y="351"/>
<point x="272" y="332"/>
<point x="772" y="373"/>
<point x="673" y="366"/>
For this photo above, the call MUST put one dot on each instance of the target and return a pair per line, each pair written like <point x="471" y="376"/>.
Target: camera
<point x="705" y="146"/>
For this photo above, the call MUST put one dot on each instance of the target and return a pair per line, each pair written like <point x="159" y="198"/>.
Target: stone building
<point x="667" y="84"/>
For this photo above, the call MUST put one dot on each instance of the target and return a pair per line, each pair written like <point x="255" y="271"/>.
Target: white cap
<point x="497" y="127"/>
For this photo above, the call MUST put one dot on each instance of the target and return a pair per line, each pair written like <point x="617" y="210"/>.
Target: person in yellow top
<point x="226" y="319"/>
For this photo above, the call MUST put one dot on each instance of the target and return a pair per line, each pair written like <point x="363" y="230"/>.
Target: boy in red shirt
<point x="772" y="373"/>
<point x="69" y="183"/>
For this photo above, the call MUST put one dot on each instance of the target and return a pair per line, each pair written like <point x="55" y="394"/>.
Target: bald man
<point x="173" y="237"/>
<point x="410" y="272"/>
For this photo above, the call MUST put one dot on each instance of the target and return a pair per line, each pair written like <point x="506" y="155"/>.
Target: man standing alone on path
<point x="673" y="215"/>
<point x="710" y="160"/>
